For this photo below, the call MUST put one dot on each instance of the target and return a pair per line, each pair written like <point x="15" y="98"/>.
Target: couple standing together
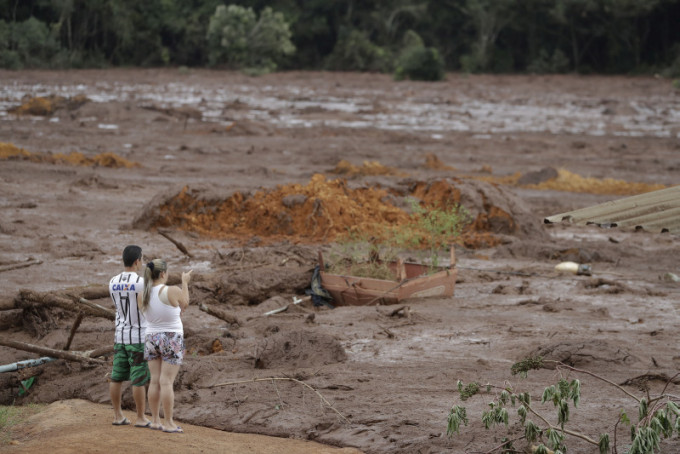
<point x="149" y="341"/>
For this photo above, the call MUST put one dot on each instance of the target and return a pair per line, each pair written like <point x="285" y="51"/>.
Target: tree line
<point x="409" y="38"/>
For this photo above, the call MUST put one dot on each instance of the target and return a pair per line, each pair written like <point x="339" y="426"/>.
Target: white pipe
<point x="26" y="363"/>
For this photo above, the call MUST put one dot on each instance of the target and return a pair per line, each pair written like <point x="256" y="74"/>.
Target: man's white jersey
<point x="125" y="288"/>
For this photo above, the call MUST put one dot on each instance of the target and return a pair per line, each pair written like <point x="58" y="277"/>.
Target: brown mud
<point x="254" y="175"/>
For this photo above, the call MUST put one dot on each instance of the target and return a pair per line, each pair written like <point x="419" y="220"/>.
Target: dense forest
<point x="419" y="39"/>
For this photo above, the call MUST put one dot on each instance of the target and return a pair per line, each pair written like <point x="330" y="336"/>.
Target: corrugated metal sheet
<point x="656" y="211"/>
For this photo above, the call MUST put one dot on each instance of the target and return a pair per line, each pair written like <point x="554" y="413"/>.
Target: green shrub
<point x="9" y="59"/>
<point x="547" y="64"/>
<point x="354" y="51"/>
<point x="412" y="39"/>
<point x="420" y="63"/>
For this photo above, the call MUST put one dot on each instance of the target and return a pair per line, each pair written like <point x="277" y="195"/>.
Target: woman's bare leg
<point x="167" y="379"/>
<point x="154" y="392"/>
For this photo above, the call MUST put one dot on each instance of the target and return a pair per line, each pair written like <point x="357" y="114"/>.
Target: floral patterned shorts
<point x="167" y="346"/>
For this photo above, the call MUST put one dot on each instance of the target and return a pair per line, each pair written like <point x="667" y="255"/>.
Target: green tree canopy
<point x="237" y="37"/>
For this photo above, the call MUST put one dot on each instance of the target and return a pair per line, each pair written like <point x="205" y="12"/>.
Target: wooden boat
<point x="413" y="282"/>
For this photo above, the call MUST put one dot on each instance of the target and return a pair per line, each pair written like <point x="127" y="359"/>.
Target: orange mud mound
<point x="11" y="151"/>
<point x="108" y="159"/>
<point x="326" y="210"/>
<point x="319" y="211"/>
<point x="45" y="106"/>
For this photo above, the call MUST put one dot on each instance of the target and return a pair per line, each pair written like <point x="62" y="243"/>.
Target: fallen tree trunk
<point x="61" y="354"/>
<point x="93" y="292"/>
<point x="221" y="314"/>
<point x="29" y="297"/>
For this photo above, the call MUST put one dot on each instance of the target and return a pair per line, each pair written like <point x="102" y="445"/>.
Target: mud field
<point x="253" y="176"/>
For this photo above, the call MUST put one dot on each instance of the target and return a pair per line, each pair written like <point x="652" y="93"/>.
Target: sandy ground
<point x="78" y="425"/>
<point x="390" y="379"/>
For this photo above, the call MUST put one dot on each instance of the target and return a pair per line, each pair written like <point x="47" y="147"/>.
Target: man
<point x="128" y="356"/>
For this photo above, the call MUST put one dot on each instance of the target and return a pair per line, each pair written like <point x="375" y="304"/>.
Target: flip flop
<point x="177" y="430"/>
<point x="144" y="426"/>
<point x="122" y="422"/>
<point x="160" y="427"/>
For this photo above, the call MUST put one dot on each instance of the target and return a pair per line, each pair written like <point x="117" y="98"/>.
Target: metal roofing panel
<point x="656" y="211"/>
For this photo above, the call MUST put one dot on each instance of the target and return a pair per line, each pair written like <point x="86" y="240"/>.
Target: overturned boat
<point x="415" y="280"/>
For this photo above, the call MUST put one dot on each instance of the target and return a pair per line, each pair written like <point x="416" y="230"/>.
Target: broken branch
<point x="16" y="266"/>
<point x="75" y="326"/>
<point x="99" y="352"/>
<point x="106" y="313"/>
<point x="177" y="244"/>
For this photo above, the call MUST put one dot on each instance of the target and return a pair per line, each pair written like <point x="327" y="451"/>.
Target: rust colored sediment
<point x="108" y="159"/>
<point x="320" y="211"/>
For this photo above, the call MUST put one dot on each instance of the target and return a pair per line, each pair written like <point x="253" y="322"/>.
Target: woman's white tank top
<point x="161" y="317"/>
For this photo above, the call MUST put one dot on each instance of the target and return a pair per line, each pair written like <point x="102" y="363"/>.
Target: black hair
<point x="131" y="254"/>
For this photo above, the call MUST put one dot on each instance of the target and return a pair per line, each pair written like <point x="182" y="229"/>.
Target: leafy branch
<point x="658" y="416"/>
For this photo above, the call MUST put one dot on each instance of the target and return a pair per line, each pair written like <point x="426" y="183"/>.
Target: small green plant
<point x="363" y="257"/>
<point x="432" y="227"/>
<point x="658" y="416"/>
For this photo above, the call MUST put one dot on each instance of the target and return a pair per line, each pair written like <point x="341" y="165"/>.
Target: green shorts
<point x="129" y="364"/>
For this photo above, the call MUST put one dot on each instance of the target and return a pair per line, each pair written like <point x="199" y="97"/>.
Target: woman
<point x="164" y="346"/>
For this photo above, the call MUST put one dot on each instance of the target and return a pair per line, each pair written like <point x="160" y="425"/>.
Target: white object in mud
<point x="574" y="268"/>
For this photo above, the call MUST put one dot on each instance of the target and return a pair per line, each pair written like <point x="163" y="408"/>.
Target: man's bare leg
<point x="139" y="395"/>
<point x="115" y="390"/>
